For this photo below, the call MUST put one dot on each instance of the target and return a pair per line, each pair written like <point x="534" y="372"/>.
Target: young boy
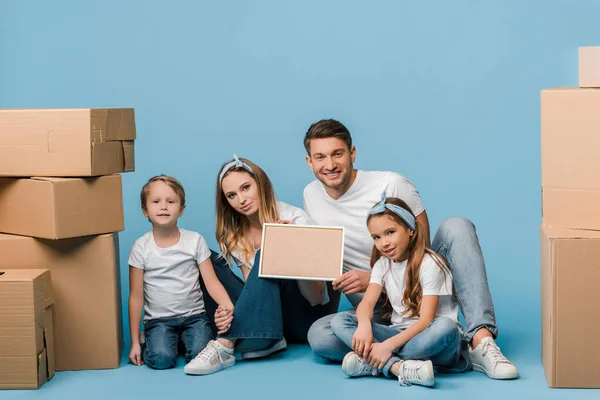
<point x="163" y="277"/>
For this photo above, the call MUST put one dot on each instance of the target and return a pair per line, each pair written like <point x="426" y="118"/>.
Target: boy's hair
<point x="327" y="128"/>
<point x="170" y="181"/>
<point x="233" y="228"/>
<point x="413" y="293"/>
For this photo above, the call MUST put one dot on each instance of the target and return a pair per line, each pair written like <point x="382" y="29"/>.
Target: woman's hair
<point x="233" y="228"/>
<point x="413" y="293"/>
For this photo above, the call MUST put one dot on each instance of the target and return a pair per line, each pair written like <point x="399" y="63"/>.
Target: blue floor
<point x="297" y="374"/>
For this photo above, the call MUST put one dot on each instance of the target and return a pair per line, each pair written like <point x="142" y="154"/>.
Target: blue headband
<point x="237" y="163"/>
<point x="404" y="215"/>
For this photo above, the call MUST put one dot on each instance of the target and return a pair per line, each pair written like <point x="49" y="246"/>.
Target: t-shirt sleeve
<point x="404" y="189"/>
<point x="305" y="202"/>
<point x="300" y="217"/>
<point x="136" y="255"/>
<point x="434" y="280"/>
<point x="202" y="250"/>
<point x="378" y="272"/>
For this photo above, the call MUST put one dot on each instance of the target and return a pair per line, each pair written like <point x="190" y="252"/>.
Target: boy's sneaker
<point x="353" y="365"/>
<point x="416" y="373"/>
<point x="488" y="358"/>
<point x="280" y="345"/>
<point x="213" y="358"/>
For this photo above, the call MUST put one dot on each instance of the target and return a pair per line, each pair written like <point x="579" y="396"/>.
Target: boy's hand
<point x="135" y="354"/>
<point x="224" y="318"/>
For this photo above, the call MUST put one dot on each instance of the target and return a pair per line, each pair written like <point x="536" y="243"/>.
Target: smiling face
<point x="389" y="237"/>
<point x="163" y="206"/>
<point x="241" y="191"/>
<point x="332" y="161"/>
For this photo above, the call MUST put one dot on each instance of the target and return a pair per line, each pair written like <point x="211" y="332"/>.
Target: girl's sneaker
<point x="416" y="373"/>
<point x="353" y="366"/>
<point x="213" y="358"/>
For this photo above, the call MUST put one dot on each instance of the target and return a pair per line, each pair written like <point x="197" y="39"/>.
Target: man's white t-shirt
<point x="434" y="282"/>
<point x="171" y="275"/>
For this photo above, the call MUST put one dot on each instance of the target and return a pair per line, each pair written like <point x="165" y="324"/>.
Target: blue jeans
<point x="165" y="335"/>
<point x="266" y="310"/>
<point x="440" y="342"/>
<point x="457" y="241"/>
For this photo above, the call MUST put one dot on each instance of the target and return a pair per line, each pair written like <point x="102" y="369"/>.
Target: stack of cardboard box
<point x="61" y="203"/>
<point x="570" y="234"/>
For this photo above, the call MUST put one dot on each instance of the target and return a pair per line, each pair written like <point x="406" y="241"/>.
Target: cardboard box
<point x="570" y="272"/>
<point x="86" y="281"/>
<point x="570" y="130"/>
<point x="26" y="336"/>
<point x="589" y="66"/>
<point x="59" y="208"/>
<point x="301" y="252"/>
<point x="66" y="142"/>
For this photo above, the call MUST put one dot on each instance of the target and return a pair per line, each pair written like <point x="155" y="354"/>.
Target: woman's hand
<point x="223" y="318"/>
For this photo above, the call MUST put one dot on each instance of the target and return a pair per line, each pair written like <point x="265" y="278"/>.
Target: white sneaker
<point x="280" y="345"/>
<point x="416" y="373"/>
<point x="353" y="365"/>
<point x="213" y="358"/>
<point x="488" y="358"/>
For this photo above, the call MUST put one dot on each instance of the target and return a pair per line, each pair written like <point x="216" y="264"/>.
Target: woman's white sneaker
<point x="213" y="358"/>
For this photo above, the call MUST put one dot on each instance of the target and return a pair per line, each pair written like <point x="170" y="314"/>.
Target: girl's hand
<point x="362" y="340"/>
<point x="223" y="318"/>
<point x="379" y="355"/>
<point x="135" y="354"/>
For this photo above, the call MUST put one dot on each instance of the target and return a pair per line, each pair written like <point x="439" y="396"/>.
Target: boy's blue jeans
<point x="164" y="337"/>
<point x="440" y="342"/>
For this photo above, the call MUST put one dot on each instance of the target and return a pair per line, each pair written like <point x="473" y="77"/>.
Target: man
<point x="343" y="196"/>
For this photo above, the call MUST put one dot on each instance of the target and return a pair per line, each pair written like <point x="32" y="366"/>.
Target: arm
<point x="214" y="286"/>
<point x="423" y="220"/>
<point x="363" y="337"/>
<point x="136" y="303"/>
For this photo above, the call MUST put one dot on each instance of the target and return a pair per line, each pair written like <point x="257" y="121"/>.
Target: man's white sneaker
<point x="488" y="358"/>
<point x="213" y="358"/>
<point x="354" y="365"/>
<point x="416" y="373"/>
<point x="280" y="345"/>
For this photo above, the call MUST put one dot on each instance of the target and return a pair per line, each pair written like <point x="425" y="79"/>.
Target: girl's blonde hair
<point x="413" y="293"/>
<point x="233" y="228"/>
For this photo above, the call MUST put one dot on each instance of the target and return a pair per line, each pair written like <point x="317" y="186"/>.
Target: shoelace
<point x="366" y="367"/>
<point x="409" y="374"/>
<point x="494" y="351"/>
<point x="208" y="352"/>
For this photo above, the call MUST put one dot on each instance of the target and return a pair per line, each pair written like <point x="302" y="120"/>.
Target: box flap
<point x="563" y="233"/>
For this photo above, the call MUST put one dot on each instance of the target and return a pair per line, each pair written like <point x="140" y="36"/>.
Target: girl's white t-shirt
<point x="391" y="276"/>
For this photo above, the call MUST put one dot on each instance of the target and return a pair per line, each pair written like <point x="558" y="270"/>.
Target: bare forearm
<point x="364" y="313"/>
<point x="218" y="293"/>
<point x="136" y="304"/>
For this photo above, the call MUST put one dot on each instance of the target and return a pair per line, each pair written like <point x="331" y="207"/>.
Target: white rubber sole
<point x="281" y="345"/>
<point x="505" y="376"/>
<point x="193" y="371"/>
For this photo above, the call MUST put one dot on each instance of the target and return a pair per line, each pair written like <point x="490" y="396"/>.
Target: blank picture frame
<point x="308" y="252"/>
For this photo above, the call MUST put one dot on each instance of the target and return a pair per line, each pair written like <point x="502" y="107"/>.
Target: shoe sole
<point x="227" y="364"/>
<point x="345" y="364"/>
<point x="281" y="345"/>
<point x="506" y="376"/>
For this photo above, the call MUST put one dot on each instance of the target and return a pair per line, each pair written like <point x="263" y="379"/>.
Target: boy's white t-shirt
<point x="351" y="210"/>
<point x="286" y="212"/>
<point x="391" y="276"/>
<point x="171" y="275"/>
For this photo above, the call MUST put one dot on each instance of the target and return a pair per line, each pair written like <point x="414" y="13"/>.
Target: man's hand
<point x="352" y="282"/>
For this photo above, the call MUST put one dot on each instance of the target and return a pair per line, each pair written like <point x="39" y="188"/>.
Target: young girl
<point x="267" y="309"/>
<point x="424" y="330"/>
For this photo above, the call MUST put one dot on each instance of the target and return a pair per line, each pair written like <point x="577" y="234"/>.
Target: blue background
<point x="446" y="93"/>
